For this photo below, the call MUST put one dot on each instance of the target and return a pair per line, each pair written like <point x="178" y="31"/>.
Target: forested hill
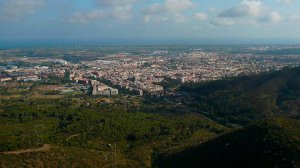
<point x="270" y="143"/>
<point x="247" y="98"/>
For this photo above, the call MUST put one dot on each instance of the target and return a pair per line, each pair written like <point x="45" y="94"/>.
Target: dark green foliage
<point x="73" y="124"/>
<point x="169" y="83"/>
<point x="271" y="143"/>
<point x="244" y="99"/>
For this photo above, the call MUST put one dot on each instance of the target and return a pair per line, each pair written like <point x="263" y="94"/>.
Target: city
<point x="142" y="74"/>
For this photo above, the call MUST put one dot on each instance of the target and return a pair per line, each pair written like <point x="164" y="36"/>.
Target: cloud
<point x="179" y="18"/>
<point x="169" y="10"/>
<point x="250" y="12"/>
<point x="169" y="6"/>
<point x="154" y="9"/>
<point x="117" y="9"/>
<point x="294" y="18"/>
<point x="120" y="13"/>
<point x="116" y="2"/>
<point x="201" y="16"/>
<point x="178" y="5"/>
<point x="244" y="9"/>
<point x="88" y="16"/>
<point x="13" y="10"/>
<point x="222" y="22"/>
<point x="273" y="17"/>
<point x="147" y="19"/>
<point x="284" y="1"/>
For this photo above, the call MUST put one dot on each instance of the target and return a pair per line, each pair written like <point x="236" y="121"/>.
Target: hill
<point x="247" y="98"/>
<point x="269" y="143"/>
<point x="68" y="131"/>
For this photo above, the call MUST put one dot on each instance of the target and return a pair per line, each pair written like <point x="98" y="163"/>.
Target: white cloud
<point x="178" y="5"/>
<point x="12" y="10"/>
<point x="284" y="1"/>
<point x="170" y="10"/>
<point x="118" y="9"/>
<point x="201" y="16"/>
<point x="272" y="17"/>
<point x="154" y="9"/>
<point x="250" y="12"/>
<point x="275" y="17"/>
<point x="244" y="9"/>
<point x="169" y="6"/>
<point x="88" y="16"/>
<point x="122" y="12"/>
<point x="179" y="18"/>
<point x="294" y="18"/>
<point x="230" y="21"/>
<point x="116" y="2"/>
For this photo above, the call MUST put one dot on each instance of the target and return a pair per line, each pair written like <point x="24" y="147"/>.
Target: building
<point x="28" y="78"/>
<point x="102" y="89"/>
<point x="5" y="79"/>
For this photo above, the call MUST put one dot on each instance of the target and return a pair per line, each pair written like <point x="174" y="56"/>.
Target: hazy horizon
<point x="143" y="42"/>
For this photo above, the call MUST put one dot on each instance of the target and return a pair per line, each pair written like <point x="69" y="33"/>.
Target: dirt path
<point x="44" y="148"/>
<point x="78" y="134"/>
<point x="72" y="136"/>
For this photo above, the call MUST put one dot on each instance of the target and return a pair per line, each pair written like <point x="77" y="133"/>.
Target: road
<point x="44" y="148"/>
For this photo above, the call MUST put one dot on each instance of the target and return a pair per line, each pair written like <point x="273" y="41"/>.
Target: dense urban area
<point x="138" y="71"/>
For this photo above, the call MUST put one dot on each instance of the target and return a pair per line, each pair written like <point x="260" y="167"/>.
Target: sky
<point x="137" y="21"/>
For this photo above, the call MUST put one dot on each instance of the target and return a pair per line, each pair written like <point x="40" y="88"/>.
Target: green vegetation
<point x="248" y="98"/>
<point x="170" y="84"/>
<point x="85" y="125"/>
<point x="270" y="143"/>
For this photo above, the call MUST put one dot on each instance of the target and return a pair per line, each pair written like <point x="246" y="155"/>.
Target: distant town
<point x="145" y="74"/>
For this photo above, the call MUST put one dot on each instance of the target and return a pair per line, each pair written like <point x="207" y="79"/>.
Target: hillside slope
<point x="244" y="99"/>
<point x="270" y="143"/>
